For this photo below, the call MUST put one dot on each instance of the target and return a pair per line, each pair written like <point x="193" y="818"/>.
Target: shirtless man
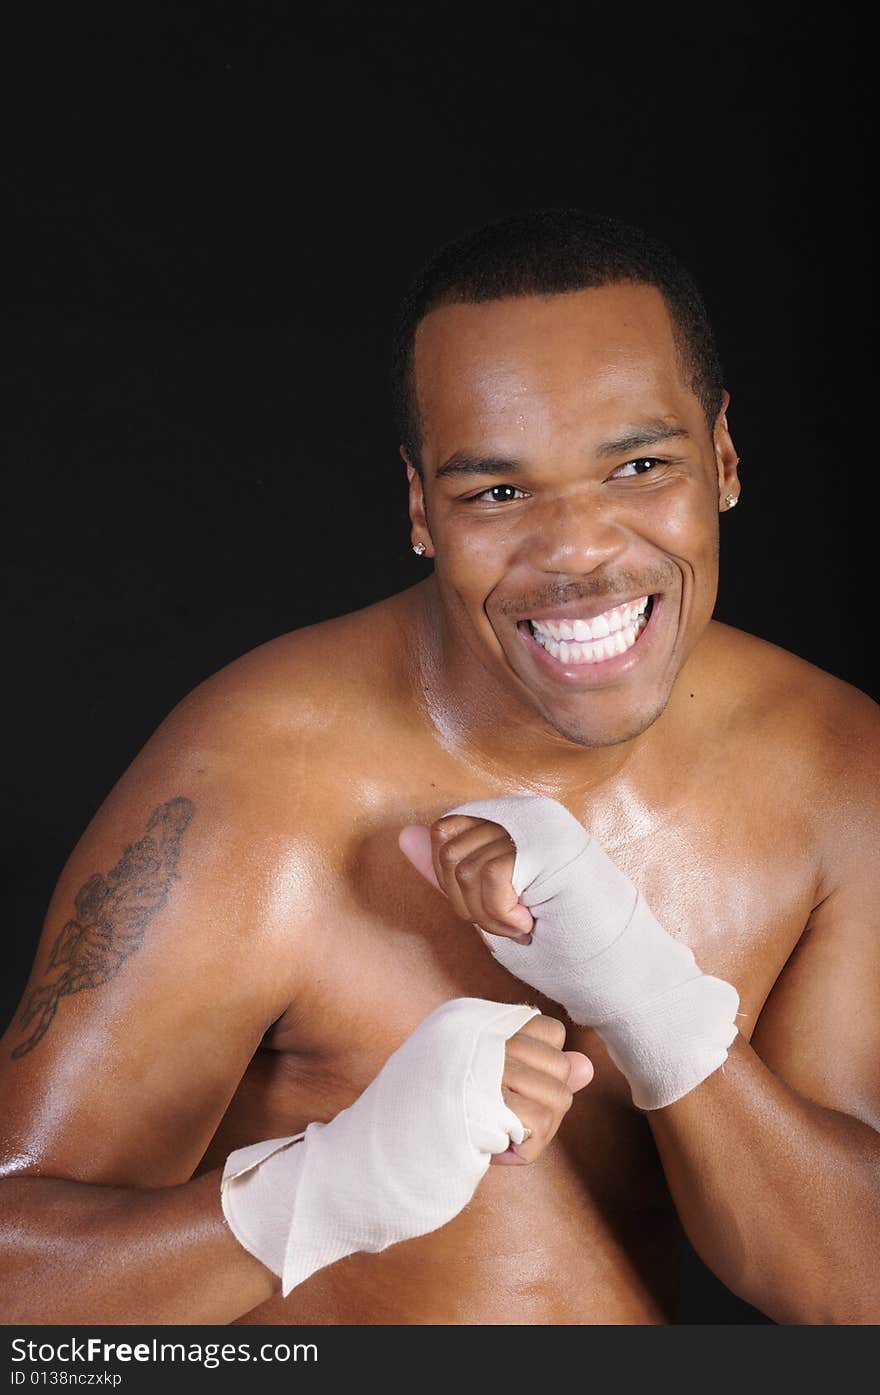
<point x="568" y="453"/>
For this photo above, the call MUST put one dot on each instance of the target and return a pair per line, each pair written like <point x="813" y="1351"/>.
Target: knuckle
<point x="444" y="829"/>
<point x="552" y="1031"/>
<point x="557" y="1066"/>
<point x="510" y="1073"/>
<point x="564" y="1098"/>
<point x="497" y="872"/>
<point x="468" y="872"/>
<point x="513" y="1048"/>
<point x="447" y="856"/>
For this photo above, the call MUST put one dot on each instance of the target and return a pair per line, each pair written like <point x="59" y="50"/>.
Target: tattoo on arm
<point x="112" y="915"/>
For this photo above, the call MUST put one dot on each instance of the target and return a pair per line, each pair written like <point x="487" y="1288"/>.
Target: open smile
<point x="589" y="649"/>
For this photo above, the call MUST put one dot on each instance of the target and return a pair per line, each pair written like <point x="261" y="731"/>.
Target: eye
<point x="499" y="494"/>
<point x="633" y="468"/>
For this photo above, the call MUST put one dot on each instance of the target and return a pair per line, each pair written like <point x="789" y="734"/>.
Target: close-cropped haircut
<point x="549" y="252"/>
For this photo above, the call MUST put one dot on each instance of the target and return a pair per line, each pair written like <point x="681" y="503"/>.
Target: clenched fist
<point x="471" y="861"/>
<point x="538" y="1084"/>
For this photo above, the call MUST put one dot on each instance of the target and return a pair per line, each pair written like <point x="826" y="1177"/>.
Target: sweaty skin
<point x="259" y="972"/>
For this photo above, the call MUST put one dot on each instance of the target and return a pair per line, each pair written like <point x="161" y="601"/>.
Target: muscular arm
<point x="151" y="991"/>
<point x="778" y="1194"/>
<point x="77" y="1253"/>
<point x="774" y="1161"/>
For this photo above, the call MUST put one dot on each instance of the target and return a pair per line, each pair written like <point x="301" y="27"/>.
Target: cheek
<point x="474" y="559"/>
<point x="686" y="526"/>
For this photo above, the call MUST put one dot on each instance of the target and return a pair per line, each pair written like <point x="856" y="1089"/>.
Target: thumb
<point x="414" y="842"/>
<point x="580" y="1070"/>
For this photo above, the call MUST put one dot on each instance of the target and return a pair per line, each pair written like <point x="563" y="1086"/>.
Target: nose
<point x="574" y="535"/>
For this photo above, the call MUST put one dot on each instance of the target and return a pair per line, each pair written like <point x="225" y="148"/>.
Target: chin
<point x="587" y="729"/>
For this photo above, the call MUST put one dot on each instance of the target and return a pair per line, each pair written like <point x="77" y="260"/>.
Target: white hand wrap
<point x="402" y="1160"/>
<point x="598" y="950"/>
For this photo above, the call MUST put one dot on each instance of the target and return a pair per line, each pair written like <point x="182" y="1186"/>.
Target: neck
<point x="480" y="721"/>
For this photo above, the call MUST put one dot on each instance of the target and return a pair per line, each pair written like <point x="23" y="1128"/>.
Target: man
<point x="246" y="948"/>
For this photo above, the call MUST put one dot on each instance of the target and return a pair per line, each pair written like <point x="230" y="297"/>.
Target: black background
<point x="213" y="213"/>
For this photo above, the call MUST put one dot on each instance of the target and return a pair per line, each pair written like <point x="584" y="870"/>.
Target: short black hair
<point x="548" y="252"/>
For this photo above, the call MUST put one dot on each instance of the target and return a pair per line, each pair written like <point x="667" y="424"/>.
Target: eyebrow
<point x="651" y="434"/>
<point x="463" y="464"/>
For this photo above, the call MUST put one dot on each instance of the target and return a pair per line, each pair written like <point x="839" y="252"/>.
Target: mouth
<point x="575" y="641"/>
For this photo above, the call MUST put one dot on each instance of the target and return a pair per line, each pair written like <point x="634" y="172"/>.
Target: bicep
<point x="145" y="1003"/>
<point x="820" y="1027"/>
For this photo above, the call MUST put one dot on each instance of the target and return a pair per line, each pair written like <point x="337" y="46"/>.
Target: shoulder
<point x="770" y="689"/>
<point x="303" y="680"/>
<point x="816" y="737"/>
<point x="256" y="749"/>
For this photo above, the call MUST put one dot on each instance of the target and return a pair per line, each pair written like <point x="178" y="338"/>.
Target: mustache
<point x="587" y="588"/>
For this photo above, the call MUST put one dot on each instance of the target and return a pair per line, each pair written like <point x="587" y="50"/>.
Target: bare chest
<point x="380" y="948"/>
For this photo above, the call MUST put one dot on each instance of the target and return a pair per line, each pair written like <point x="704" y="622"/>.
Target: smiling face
<point x="570" y="501"/>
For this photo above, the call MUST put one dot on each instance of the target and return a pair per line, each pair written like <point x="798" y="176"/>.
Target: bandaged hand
<point x="475" y="1079"/>
<point x="560" y="915"/>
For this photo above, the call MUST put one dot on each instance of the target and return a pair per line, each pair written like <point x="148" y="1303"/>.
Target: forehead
<point x="547" y="363"/>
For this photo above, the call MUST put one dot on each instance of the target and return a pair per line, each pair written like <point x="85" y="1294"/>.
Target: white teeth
<point x="610" y="622"/>
<point x="573" y="652"/>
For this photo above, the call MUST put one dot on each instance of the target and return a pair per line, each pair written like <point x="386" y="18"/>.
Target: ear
<point x="420" y="531"/>
<point x="726" y="458"/>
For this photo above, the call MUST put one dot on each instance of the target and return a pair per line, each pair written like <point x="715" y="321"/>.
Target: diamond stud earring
<point x="731" y="500"/>
<point x="419" y="549"/>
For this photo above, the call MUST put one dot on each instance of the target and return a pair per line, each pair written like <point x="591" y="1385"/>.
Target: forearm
<point x="780" y="1197"/>
<point x="72" y="1252"/>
